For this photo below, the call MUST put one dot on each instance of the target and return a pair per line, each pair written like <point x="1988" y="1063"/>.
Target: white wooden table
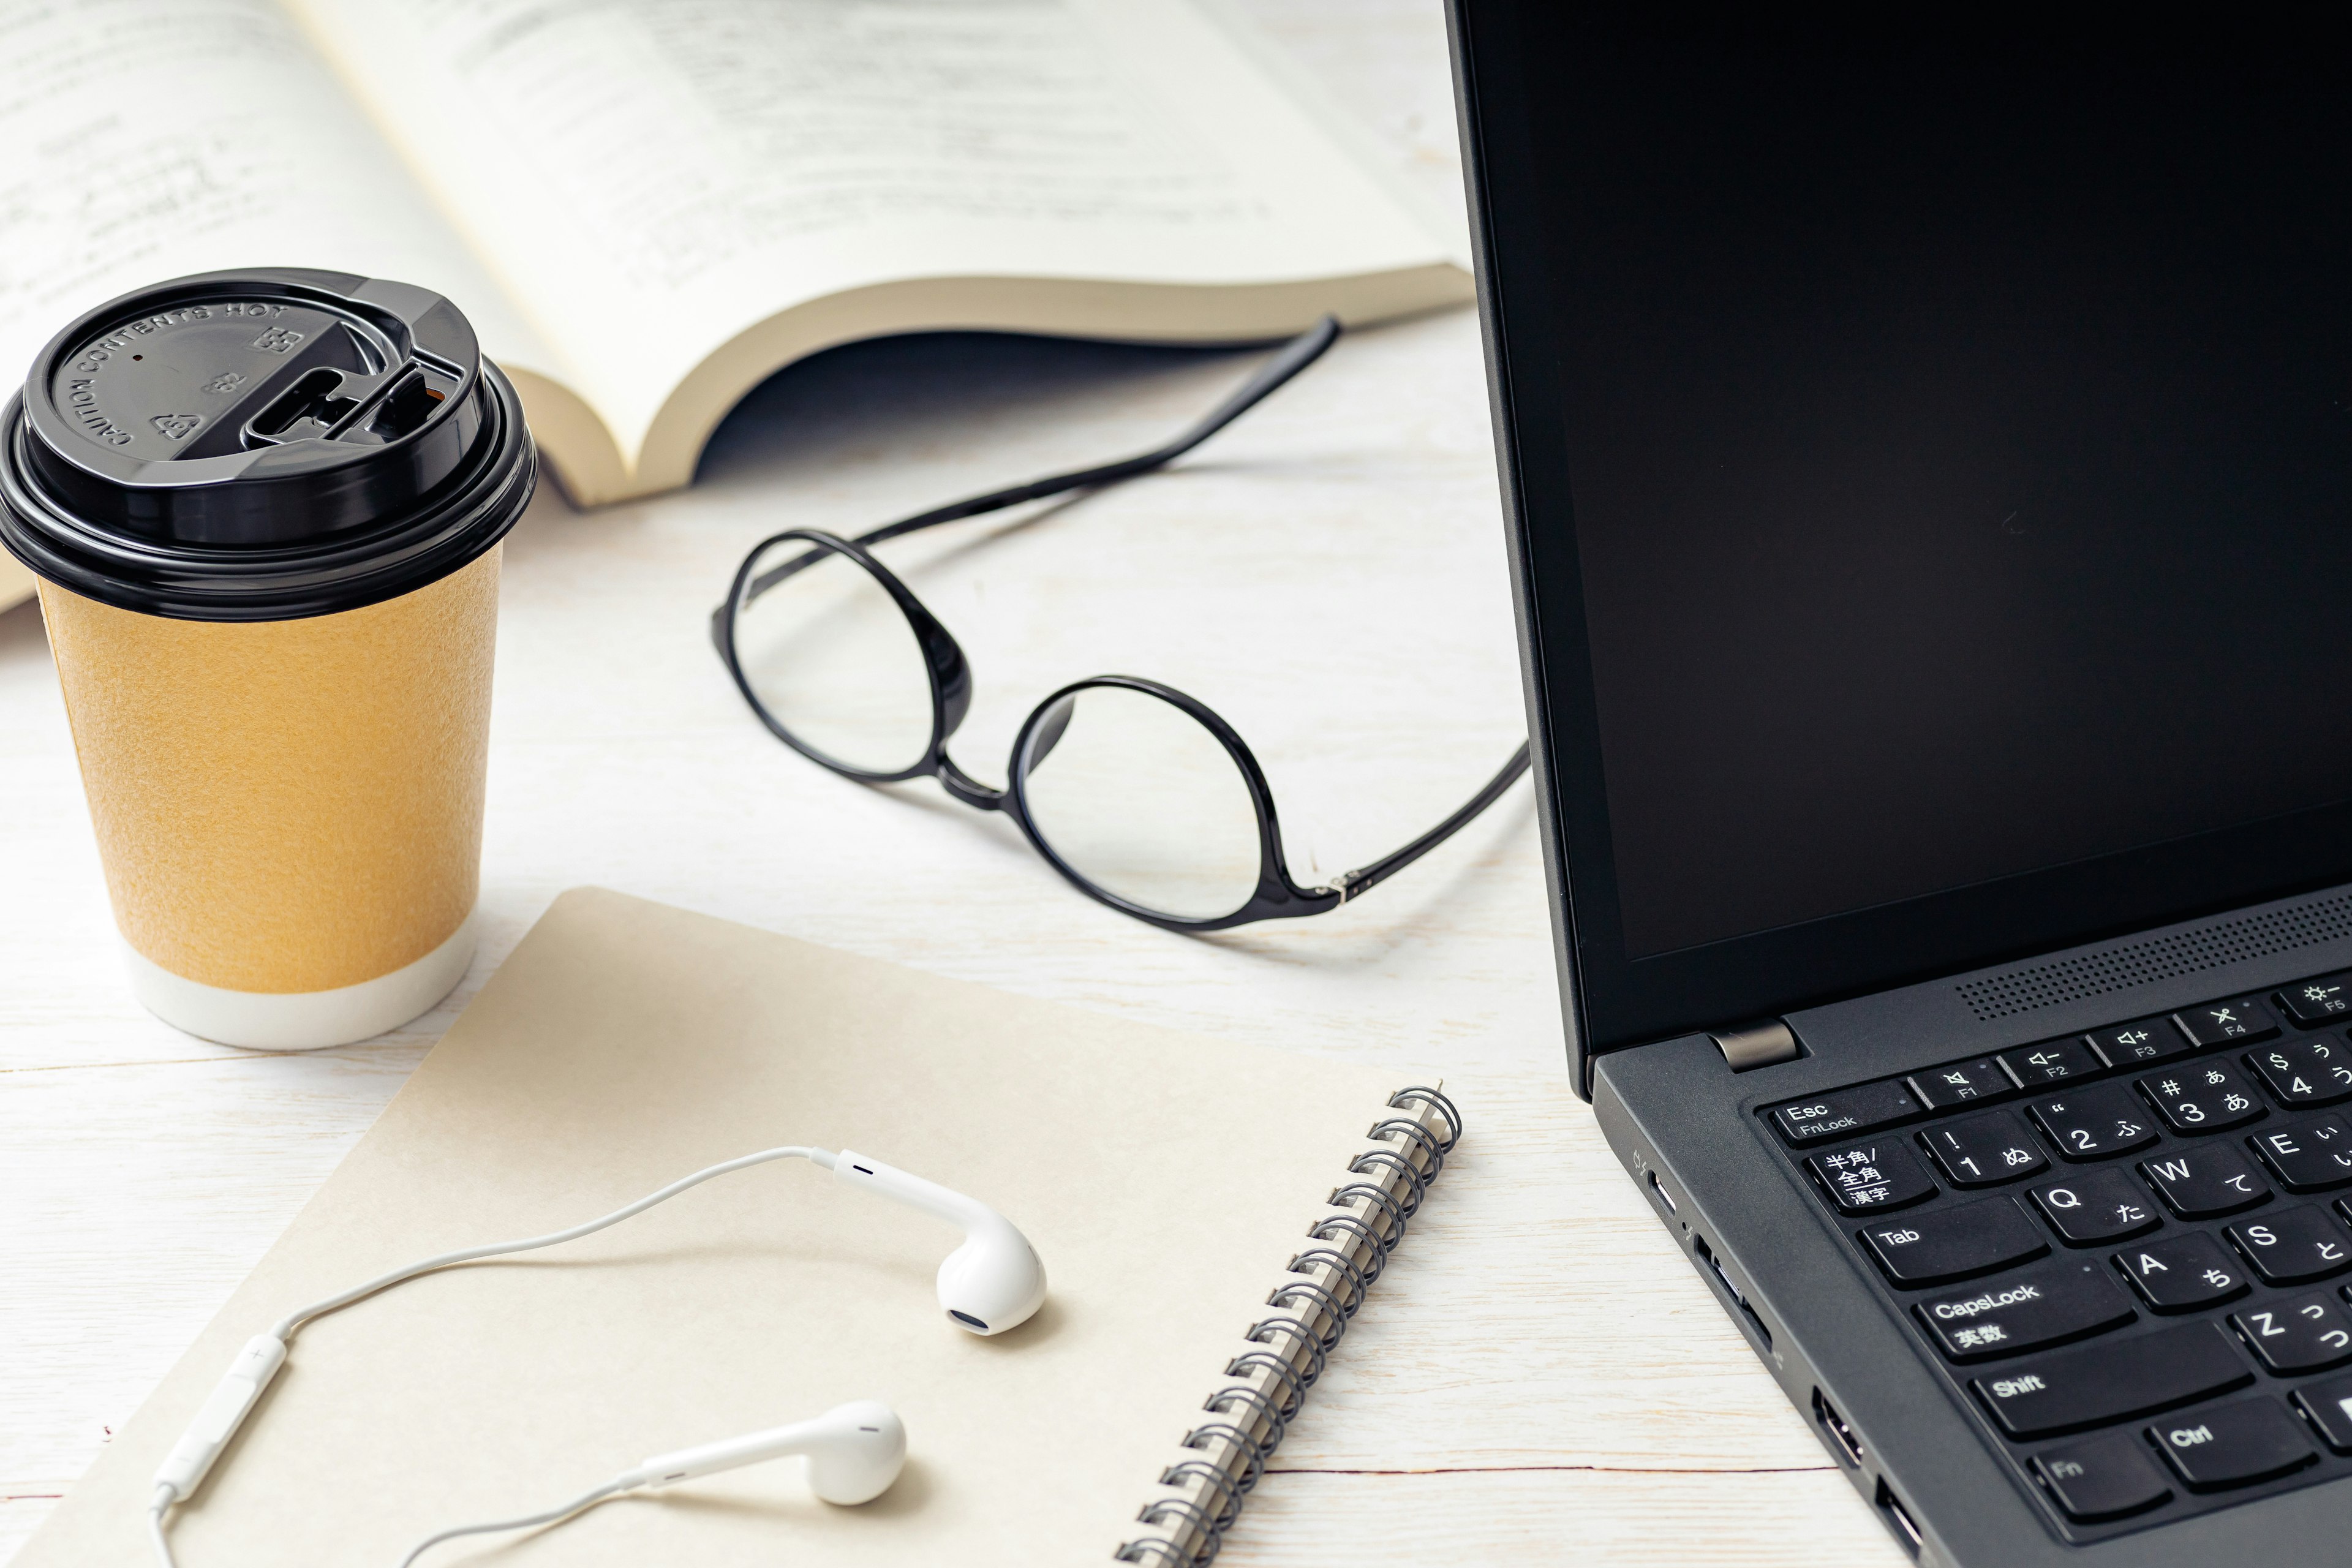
<point x="1542" y="1377"/>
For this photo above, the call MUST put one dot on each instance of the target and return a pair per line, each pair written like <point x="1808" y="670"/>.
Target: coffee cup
<point x="265" y="510"/>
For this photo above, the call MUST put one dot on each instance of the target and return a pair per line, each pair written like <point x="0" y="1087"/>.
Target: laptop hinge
<point x="1758" y="1045"/>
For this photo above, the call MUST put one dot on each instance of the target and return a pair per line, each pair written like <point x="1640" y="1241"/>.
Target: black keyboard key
<point x="2113" y="1381"/>
<point x="2206" y="1178"/>
<point x="2233" y="1445"/>
<point x="2329" y="1406"/>
<point x="2240" y="1022"/>
<point x="2317" y="1071"/>
<point x="2293" y="1244"/>
<point x="2311" y="1156"/>
<point x="1861" y="1108"/>
<point x="1880" y="1175"/>
<point x="2302" y="1333"/>
<point x="2129" y="1045"/>
<point x="2096" y="1207"/>
<point x="2103" y="1478"/>
<point x="2095" y="1121"/>
<point x="1984" y="1150"/>
<point x="1954" y="1243"/>
<point x="2019" y="1312"/>
<point x="1962" y="1083"/>
<point x="2203" y="1097"/>
<point x="2181" y="1273"/>
<point x="2051" y="1061"/>
<point x="2317" y="1002"/>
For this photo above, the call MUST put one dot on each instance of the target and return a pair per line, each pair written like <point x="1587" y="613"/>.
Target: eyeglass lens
<point x="1139" y="798"/>
<point x="831" y="659"/>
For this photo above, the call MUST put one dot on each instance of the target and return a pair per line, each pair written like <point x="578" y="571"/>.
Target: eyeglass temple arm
<point x="1348" y="884"/>
<point x="1296" y="355"/>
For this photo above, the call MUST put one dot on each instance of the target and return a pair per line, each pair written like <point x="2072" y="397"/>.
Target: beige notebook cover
<point x="1167" y="1180"/>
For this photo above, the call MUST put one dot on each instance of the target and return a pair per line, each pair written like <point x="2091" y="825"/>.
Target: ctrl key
<point x="2233" y="1445"/>
<point x="2105" y="1477"/>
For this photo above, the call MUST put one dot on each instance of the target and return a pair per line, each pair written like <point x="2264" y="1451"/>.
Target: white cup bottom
<point x="301" y="1020"/>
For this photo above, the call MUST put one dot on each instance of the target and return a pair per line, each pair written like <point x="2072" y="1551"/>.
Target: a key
<point x="2242" y="1021"/>
<point x="2204" y="1179"/>
<point x="2233" y="1445"/>
<point x="1962" y="1083"/>
<point x="2181" y="1273"/>
<point x="2311" y="1156"/>
<point x="2317" y="1071"/>
<point x="2293" y="1244"/>
<point x="2113" y="1380"/>
<point x="1879" y="1174"/>
<point x="2019" y="1312"/>
<point x="2129" y="1045"/>
<point x="2315" y="1002"/>
<point x="2329" y="1406"/>
<point x="1863" y="1109"/>
<point x="2095" y="1121"/>
<point x="1954" y="1243"/>
<point x="1983" y="1149"/>
<point x="2103" y="1477"/>
<point x="2096" y="1207"/>
<point x="2302" y="1333"/>
<point x="2050" y="1062"/>
<point x="2202" y="1097"/>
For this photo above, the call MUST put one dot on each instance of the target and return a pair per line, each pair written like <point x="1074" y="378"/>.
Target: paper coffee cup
<point x="265" y="510"/>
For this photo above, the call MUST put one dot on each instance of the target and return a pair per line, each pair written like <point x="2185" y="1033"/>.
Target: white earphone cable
<point x="549" y="1516"/>
<point x="166" y="1496"/>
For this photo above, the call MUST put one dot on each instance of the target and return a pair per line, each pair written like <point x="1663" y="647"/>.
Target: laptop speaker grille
<point x="2223" y="943"/>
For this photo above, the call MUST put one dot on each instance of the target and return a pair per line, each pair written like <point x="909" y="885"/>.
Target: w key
<point x="2095" y="1122"/>
<point x="2207" y="1178"/>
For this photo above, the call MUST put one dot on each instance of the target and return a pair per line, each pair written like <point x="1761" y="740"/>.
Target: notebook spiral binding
<point x="1286" y="1353"/>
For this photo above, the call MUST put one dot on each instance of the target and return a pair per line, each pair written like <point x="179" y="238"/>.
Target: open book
<point x="647" y="207"/>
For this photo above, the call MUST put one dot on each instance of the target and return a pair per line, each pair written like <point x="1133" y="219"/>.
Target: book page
<point x="1165" y="1180"/>
<point x="148" y="139"/>
<point x="653" y="179"/>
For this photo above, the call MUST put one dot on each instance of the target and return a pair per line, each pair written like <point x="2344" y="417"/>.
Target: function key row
<point x="2204" y="1097"/>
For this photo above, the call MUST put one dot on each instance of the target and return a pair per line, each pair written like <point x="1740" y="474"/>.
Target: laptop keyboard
<point x="2130" y="1250"/>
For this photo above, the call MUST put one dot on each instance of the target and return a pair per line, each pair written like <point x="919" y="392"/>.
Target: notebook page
<point x="146" y="139"/>
<point x="1165" y="1179"/>
<point x="654" y="179"/>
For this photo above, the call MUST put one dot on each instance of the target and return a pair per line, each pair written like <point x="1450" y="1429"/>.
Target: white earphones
<point x="992" y="1282"/>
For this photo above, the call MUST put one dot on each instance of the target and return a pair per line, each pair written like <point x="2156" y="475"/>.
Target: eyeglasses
<point x="1137" y="794"/>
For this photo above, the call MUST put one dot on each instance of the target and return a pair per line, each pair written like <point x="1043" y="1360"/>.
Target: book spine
<point x="1203" y="1493"/>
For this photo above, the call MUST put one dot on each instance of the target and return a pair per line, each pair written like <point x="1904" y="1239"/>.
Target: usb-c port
<point x="1664" y="1197"/>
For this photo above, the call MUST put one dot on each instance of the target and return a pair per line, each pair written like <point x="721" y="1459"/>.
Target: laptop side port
<point x="1664" y="1197"/>
<point x="1898" y="1518"/>
<point x="1843" y="1442"/>
<point x="1723" y="1277"/>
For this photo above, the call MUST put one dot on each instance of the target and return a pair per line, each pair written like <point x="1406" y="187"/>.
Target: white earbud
<point x="991" y="1283"/>
<point x="855" y="1451"/>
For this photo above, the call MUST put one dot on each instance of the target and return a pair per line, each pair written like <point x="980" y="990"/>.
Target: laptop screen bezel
<point x="1612" y="999"/>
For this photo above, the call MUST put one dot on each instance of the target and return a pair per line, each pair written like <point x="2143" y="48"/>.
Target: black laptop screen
<point x="1958" y="440"/>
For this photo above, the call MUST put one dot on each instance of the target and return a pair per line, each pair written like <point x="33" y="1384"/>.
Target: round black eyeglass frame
<point x="1277" y="895"/>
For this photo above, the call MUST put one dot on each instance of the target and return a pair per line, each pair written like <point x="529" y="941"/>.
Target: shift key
<point x="1954" y="1243"/>
<point x="2113" y="1381"/>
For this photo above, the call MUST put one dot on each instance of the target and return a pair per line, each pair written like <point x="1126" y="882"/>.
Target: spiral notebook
<point x="1210" y="1216"/>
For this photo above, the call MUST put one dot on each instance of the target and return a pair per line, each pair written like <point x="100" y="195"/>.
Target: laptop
<point x="1927" y="450"/>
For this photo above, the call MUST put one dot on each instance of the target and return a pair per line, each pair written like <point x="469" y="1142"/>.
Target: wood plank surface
<point x="1540" y="1378"/>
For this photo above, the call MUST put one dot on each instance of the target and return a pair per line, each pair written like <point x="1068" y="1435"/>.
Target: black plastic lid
<point x="261" y="445"/>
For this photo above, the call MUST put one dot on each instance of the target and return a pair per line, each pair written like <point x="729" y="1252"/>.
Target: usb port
<point x="1723" y="1277"/>
<point x="1898" y="1517"/>
<point x="1843" y="1442"/>
<point x="1664" y="1197"/>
